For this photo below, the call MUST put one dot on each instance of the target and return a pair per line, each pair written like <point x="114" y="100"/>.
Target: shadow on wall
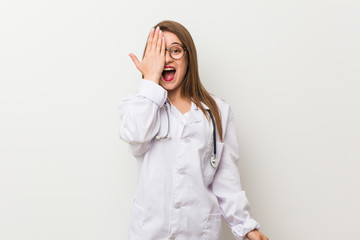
<point x="226" y="232"/>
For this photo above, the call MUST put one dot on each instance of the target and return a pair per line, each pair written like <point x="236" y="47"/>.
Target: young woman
<point x="184" y="141"/>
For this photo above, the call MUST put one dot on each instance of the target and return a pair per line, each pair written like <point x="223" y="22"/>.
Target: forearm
<point x="140" y="114"/>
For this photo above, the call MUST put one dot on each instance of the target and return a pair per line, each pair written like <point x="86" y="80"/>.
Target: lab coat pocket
<point x="137" y="219"/>
<point x="213" y="227"/>
<point x="210" y="166"/>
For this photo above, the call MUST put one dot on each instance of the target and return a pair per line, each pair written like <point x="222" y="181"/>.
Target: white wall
<point x="289" y="69"/>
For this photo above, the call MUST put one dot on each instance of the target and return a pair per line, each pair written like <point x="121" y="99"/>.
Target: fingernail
<point x="157" y="28"/>
<point x="160" y="32"/>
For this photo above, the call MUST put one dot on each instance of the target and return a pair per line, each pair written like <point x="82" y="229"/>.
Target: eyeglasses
<point x="176" y="51"/>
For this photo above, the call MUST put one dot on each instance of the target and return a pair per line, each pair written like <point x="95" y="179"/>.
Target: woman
<point x="184" y="141"/>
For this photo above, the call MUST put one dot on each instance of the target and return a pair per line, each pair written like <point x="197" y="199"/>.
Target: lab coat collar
<point x="193" y="105"/>
<point x="197" y="108"/>
<point x="195" y="114"/>
<point x="205" y="106"/>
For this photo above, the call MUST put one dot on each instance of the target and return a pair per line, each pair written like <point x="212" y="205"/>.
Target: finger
<point x="154" y="40"/>
<point x="136" y="61"/>
<point x="162" y="52"/>
<point x="150" y="37"/>
<point x="159" y="41"/>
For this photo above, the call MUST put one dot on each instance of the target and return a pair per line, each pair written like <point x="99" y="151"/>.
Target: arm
<point x="226" y="186"/>
<point x="140" y="116"/>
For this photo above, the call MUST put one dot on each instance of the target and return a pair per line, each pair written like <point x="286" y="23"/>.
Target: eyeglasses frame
<point x="184" y="48"/>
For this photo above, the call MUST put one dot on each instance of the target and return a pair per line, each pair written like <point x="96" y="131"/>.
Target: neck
<point x="182" y="104"/>
<point x="175" y="95"/>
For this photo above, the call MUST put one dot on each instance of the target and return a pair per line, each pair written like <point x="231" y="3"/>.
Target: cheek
<point x="183" y="70"/>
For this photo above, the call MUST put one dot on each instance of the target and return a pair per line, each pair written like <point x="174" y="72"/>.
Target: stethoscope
<point x="213" y="161"/>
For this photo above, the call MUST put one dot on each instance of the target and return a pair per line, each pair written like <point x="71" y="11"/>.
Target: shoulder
<point x="224" y="108"/>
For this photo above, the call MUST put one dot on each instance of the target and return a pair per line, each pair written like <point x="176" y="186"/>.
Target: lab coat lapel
<point x="195" y="114"/>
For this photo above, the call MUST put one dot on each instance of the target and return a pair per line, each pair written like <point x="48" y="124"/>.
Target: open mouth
<point x="168" y="74"/>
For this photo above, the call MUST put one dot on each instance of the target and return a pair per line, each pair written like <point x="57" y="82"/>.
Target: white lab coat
<point x="179" y="195"/>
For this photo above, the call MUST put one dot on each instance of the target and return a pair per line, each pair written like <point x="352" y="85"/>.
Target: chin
<point x="169" y="86"/>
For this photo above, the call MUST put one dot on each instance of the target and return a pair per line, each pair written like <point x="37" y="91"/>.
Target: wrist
<point x="153" y="78"/>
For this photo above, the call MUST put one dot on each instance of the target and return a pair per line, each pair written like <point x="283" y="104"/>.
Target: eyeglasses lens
<point x="176" y="52"/>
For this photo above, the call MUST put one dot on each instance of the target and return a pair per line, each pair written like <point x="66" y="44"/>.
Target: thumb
<point x="135" y="60"/>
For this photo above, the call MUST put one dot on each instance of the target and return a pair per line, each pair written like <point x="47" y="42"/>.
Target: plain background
<point x="289" y="70"/>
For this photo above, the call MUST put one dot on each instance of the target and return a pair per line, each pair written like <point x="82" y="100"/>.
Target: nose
<point x="168" y="58"/>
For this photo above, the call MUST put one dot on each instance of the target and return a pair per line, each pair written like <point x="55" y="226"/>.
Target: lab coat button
<point x="187" y="140"/>
<point x="177" y="205"/>
<point x="172" y="237"/>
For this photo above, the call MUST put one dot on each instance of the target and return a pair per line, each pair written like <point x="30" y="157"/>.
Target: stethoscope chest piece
<point x="213" y="161"/>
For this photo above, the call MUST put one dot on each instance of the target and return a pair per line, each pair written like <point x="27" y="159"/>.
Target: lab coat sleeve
<point x="140" y="115"/>
<point x="226" y="186"/>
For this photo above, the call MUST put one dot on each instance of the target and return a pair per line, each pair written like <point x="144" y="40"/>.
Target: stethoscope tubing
<point x="214" y="130"/>
<point x="213" y="161"/>
<point x="167" y="136"/>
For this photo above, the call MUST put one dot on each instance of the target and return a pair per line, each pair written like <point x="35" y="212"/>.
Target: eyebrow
<point x="175" y="43"/>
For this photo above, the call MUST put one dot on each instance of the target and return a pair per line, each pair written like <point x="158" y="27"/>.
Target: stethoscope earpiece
<point x="163" y="138"/>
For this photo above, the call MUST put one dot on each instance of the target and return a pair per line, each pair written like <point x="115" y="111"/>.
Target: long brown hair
<point x="191" y="85"/>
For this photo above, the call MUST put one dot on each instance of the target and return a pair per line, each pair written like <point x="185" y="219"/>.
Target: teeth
<point x="169" y="69"/>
